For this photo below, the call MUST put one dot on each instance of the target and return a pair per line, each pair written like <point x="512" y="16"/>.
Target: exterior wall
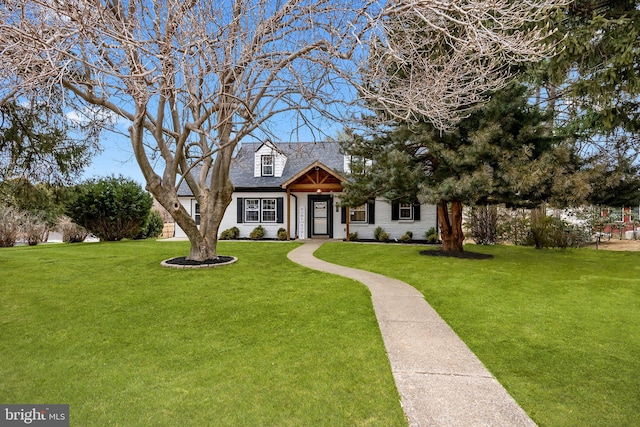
<point x="300" y="215"/>
<point x="279" y="161"/>
<point x="395" y="228"/>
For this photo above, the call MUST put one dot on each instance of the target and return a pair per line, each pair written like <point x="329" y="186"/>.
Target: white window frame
<point x="358" y="209"/>
<point x="196" y="213"/>
<point x="251" y="206"/>
<point x="269" y="210"/>
<point x="405" y="212"/>
<point x="268" y="165"/>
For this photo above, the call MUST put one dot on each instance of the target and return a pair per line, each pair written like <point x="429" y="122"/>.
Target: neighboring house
<point x="297" y="186"/>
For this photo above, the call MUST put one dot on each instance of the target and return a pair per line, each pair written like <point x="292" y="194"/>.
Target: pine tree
<point x="502" y="152"/>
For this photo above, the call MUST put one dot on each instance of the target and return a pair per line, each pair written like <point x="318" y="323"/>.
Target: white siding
<point x="279" y="160"/>
<point x="395" y="228"/>
<point x="299" y="206"/>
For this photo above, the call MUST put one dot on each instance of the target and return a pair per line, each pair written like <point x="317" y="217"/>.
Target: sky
<point x="116" y="158"/>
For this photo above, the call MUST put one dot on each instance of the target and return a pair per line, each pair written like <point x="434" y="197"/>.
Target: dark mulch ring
<point x="461" y="255"/>
<point x="183" y="262"/>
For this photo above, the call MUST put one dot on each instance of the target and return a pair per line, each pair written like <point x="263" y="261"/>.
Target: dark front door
<point x="320" y="223"/>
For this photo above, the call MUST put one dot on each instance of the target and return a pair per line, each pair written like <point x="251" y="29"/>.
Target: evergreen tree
<point x="502" y="152"/>
<point x="36" y="143"/>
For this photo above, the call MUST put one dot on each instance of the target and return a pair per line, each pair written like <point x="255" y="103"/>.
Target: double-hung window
<point x="260" y="210"/>
<point x="358" y="214"/>
<point x="268" y="210"/>
<point x="252" y="210"/>
<point x="406" y="211"/>
<point x="267" y="165"/>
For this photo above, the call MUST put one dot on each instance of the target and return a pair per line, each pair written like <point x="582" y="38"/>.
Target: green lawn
<point x="125" y="342"/>
<point x="559" y="329"/>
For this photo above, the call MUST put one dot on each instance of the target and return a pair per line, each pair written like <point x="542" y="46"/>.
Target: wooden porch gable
<point x="315" y="178"/>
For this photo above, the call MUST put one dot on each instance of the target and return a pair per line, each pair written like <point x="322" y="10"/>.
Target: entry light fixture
<point x="318" y="191"/>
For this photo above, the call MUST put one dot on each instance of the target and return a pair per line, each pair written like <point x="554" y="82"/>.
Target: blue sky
<point x="116" y="158"/>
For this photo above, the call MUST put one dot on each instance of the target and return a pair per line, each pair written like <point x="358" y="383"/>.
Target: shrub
<point x="407" y="237"/>
<point x="71" y="232"/>
<point x="482" y="224"/>
<point x="152" y="226"/>
<point x="431" y="235"/>
<point x="515" y="226"/>
<point x="112" y="208"/>
<point x="549" y="231"/>
<point x="380" y="235"/>
<point x="10" y="226"/>
<point x="352" y="237"/>
<point x="257" y="233"/>
<point x="282" y="234"/>
<point x="34" y="229"/>
<point x="230" y="234"/>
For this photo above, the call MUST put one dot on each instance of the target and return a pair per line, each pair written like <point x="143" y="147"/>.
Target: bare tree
<point x="195" y="77"/>
<point x="438" y="59"/>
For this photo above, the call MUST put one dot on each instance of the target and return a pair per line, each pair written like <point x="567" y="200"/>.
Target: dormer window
<point x="356" y="165"/>
<point x="267" y="165"/>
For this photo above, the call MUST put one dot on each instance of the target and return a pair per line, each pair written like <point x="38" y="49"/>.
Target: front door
<point x="320" y="216"/>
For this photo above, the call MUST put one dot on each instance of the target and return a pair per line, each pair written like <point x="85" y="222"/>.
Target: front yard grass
<point x="125" y="342"/>
<point x="560" y="329"/>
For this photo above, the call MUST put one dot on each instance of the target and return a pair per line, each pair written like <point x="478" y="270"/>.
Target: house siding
<point x="299" y="217"/>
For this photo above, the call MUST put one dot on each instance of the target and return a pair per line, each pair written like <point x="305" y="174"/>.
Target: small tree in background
<point x="112" y="208"/>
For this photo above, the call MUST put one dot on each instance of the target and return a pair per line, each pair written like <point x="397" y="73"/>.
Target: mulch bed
<point x="183" y="262"/>
<point x="461" y="255"/>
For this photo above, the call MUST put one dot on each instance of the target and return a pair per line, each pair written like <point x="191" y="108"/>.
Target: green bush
<point x="352" y="237"/>
<point x="407" y="237"/>
<point x="152" y="226"/>
<point x="257" y="233"/>
<point x="431" y="235"/>
<point x="552" y="232"/>
<point x="230" y="234"/>
<point x="112" y="208"/>
<point x="282" y="234"/>
<point x="380" y="235"/>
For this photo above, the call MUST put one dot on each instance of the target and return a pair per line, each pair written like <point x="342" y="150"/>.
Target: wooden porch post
<point x="288" y="213"/>
<point x="347" y="222"/>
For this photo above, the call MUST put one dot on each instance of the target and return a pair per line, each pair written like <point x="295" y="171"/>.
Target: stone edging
<point x="166" y="264"/>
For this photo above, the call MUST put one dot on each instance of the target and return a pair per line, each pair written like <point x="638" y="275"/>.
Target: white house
<point x="297" y="186"/>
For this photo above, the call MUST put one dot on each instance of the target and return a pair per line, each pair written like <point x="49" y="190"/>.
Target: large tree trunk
<point x="451" y="226"/>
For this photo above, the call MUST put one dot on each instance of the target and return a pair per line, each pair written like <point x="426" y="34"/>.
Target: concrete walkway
<point x="440" y="381"/>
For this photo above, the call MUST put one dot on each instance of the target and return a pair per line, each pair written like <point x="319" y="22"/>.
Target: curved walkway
<point x="440" y="381"/>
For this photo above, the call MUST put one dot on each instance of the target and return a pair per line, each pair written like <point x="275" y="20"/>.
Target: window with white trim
<point x="268" y="210"/>
<point x="252" y="210"/>
<point x="196" y="215"/>
<point x="267" y="165"/>
<point x="358" y="214"/>
<point x="406" y="211"/>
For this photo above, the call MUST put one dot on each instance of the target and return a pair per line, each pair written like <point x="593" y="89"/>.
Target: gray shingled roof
<point x="299" y="156"/>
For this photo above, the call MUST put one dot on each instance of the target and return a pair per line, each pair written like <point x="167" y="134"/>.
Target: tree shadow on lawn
<point x="459" y="255"/>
